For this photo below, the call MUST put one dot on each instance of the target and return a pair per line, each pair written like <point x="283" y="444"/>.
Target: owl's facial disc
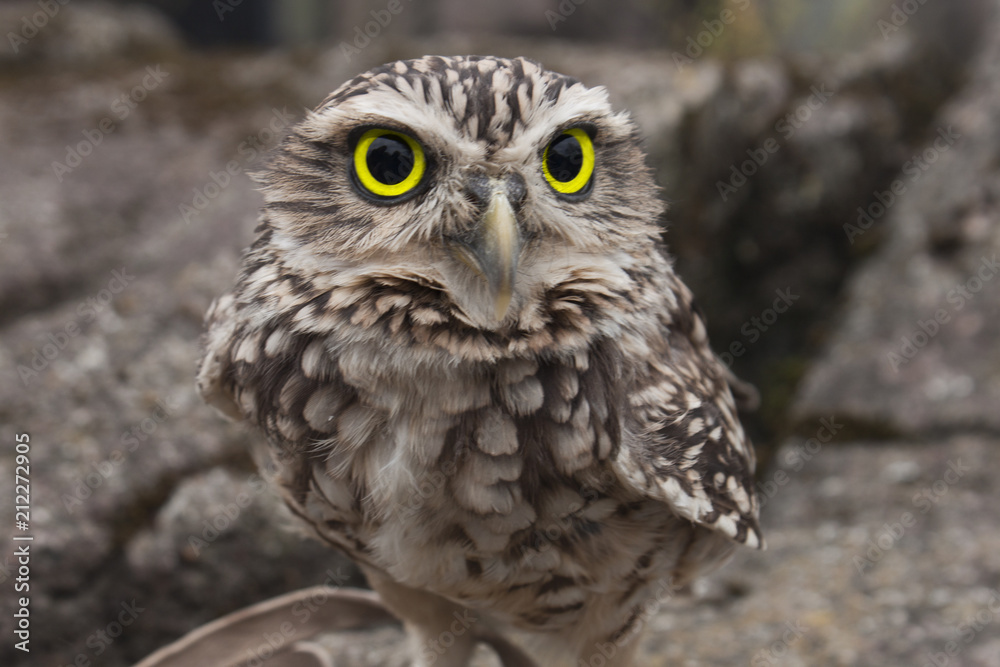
<point x="493" y="251"/>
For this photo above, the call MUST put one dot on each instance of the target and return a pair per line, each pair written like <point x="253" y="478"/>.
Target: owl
<point x="477" y="372"/>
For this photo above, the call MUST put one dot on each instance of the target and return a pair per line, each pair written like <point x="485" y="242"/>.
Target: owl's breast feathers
<point x="399" y="430"/>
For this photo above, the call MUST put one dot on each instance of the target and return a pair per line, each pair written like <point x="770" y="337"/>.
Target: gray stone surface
<point x="103" y="283"/>
<point x="873" y="559"/>
<point x="75" y="34"/>
<point x="916" y="346"/>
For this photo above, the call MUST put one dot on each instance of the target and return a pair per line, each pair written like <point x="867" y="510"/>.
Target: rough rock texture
<point x="872" y="560"/>
<point x="916" y="348"/>
<point x="104" y="277"/>
<point x="70" y="33"/>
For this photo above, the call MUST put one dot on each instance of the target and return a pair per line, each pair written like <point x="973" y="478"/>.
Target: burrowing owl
<point x="478" y="373"/>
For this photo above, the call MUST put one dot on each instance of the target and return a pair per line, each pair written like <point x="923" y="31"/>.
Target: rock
<point x="862" y="567"/>
<point x="61" y="32"/>
<point x="197" y="547"/>
<point x="385" y="647"/>
<point x="916" y="345"/>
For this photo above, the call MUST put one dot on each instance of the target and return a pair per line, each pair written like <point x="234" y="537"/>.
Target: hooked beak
<point x="493" y="255"/>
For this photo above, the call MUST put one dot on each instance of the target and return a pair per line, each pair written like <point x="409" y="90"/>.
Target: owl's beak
<point x="494" y="253"/>
<point x="498" y="252"/>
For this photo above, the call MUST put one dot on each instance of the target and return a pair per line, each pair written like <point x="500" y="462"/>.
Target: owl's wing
<point x="279" y="374"/>
<point x="687" y="447"/>
<point x="216" y="361"/>
<point x="272" y="371"/>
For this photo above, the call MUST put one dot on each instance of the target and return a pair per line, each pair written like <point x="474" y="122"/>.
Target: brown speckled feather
<point x="547" y="464"/>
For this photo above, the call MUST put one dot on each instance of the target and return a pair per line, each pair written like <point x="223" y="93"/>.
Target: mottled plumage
<point x="492" y="395"/>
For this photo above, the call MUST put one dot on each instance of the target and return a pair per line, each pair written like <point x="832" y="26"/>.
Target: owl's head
<point x="488" y="179"/>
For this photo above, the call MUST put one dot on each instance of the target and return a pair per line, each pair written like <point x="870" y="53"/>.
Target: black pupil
<point x="565" y="158"/>
<point x="389" y="159"/>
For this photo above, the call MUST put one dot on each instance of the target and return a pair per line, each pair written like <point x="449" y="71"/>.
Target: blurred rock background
<point x="840" y="159"/>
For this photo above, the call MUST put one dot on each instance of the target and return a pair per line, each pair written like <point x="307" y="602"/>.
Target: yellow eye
<point x="388" y="163"/>
<point x="568" y="162"/>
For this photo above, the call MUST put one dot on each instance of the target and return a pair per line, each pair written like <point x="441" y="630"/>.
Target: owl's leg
<point x="441" y="633"/>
